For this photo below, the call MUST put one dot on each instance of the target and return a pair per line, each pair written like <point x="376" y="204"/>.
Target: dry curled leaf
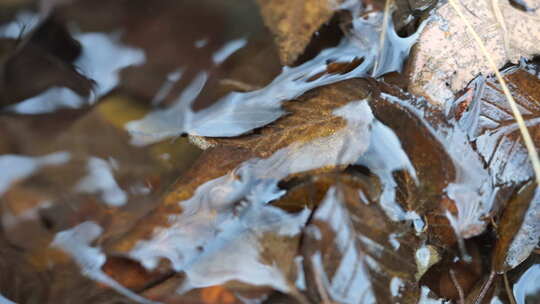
<point x="294" y="22"/>
<point x="446" y="58"/>
<point x="493" y="130"/>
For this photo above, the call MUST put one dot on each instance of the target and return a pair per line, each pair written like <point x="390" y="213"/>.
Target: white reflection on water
<point x="100" y="179"/>
<point x="385" y="156"/>
<point x="77" y="243"/>
<point x="4" y="300"/>
<point x="350" y="283"/>
<point x="102" y="59"/>
<point x="24" y="22"/>
<point x="216" y="237"/>
<point x="16" y="167"/>
<point x="228" y="49"/>
<point x="528" y="284"/>
<point x="238" y="113"/>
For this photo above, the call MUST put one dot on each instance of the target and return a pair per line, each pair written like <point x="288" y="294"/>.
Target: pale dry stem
<point x="325" y="299"/>
<point x="529" y="144"/>
<point x="500" y="19"/>
<point x="458" y="287"/>
<point x="486" y="285"/>
<point x="509" y="292"/>
<point x="382" y="35"/>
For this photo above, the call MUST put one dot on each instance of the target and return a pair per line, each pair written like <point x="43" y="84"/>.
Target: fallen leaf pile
<point x="267" y="151"/>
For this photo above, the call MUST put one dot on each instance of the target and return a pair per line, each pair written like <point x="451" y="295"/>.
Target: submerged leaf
<point x="518" y="229"/>
<point x="308" y="117"/>
<point x="64" y="86"/>
<point x="454" y="189"/>
<point x="199" y="224"/>
<point x="44" y="59"/>
<point x="294" y="22"/>
<point x="491" y="125"/>
<point x="353" y="253"/>
<point x="495" y="133"/>
<point x="18" y="276"/>
<point x="238" y="113"/>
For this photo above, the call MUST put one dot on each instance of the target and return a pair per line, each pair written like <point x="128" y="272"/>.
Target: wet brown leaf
<point x="455" y="192"/>
<point x="450" y="277"/>
<point x="294" y="22"/>
<point x="494" y="131"/>
<point x="18" y="276"/>
<point x="518" y="229"/>
<point x="434" y="166"/>
<point x="131" y="274"/>
<point x="312" y="119"/>
<point x="210" y="165"/>
<point x="309" y="117"/>
<point x="184" y="35"/>
<point x="352" y="252"/>
<point x="217" y="294"/>
<point x="491" y="125"/>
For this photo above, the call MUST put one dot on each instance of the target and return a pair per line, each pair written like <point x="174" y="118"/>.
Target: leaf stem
<point x="458" y="287"/>
<point x="382" y="36"/>
<point x="509" y="293"/>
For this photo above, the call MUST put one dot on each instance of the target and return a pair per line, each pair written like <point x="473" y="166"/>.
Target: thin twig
<point x="297" y="295"/>
<point x="325" y="299"/>
<point x="500" y="19"/>
<point x="486" y="286"/>
<point x="382" y="36"/>
<point x="458" y="287"/>
<point x="529" y="144"/>
<point x="238" y="85"/>
<point x="509" y="292"/>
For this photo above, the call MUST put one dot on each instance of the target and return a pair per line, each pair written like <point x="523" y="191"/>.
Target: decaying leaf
<point x="217" y="162"/>
<point x="446" y="58"/>
<point x="294" y="23"/>
<point x="240" y="112"/>
<point x="453" y="187"/>
<point x="221" y="203"/>
<point x="17" y="276"/>
<point x="308" y="118"/>
<point x="494" y="131"/>
<point x="453" y="278"/>
<point x="518" y="230"/>
<point x="492" y="127"/>
<point x="353" y="253"/>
